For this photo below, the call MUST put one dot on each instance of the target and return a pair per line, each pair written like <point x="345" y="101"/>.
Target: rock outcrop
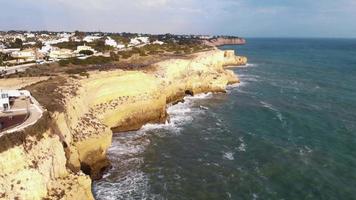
<point x="60" y="155"/>
<point x="220" y="41"/>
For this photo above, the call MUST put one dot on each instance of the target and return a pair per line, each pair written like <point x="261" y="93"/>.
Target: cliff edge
<point x="224" y="41"/>
<point x="59" y="156"/>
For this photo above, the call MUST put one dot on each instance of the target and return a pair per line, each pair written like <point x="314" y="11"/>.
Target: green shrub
<point x="86" y="52"/>
<point x="64" y="62"/>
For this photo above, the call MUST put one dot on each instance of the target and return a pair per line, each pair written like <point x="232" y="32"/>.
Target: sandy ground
<point x="18" y="83"/>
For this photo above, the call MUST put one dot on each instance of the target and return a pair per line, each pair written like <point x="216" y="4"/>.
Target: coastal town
<point x="20" y="50"/>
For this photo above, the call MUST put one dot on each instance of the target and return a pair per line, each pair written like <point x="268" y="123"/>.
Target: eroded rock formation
<point x="224" y="41"/>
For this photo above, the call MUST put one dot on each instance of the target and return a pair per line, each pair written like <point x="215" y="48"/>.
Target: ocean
<point x="288" y="131"/>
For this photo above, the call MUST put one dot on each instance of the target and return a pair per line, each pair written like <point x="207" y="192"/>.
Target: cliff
<point x="224" y="41"/>
<point x="56" y="158"/>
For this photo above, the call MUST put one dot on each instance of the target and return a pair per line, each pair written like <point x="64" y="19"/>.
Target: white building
<point x="139" y="40"/>
<point x="4" y="101"/>
<point x="56" y="41"/>
<point x="5" y="96"/>
<point x="110" y="42"/>
<point x="57" y="54"/>
<point x="9" y="51"/>
<point x="90" y="38"/>
<point x="46" y="49"/>
<point x="158" y="42"/>
<point x="30" y="35"/>
<point x="24" y="55"/>
<point x="2" y="46"/>
<point x="84" y="48"/>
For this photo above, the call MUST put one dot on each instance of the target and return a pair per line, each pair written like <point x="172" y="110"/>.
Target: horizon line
<point x="150" y="33"/>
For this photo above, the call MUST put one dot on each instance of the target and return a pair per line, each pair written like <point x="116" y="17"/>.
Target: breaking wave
<point x="180" y="114"/>
<point x="125" y="180"/>
<point x="228" y="155"/>
<point x="275" y="110"/>
<point x="251" y="65"/>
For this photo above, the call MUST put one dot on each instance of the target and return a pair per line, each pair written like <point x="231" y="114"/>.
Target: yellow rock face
<point x="105" y="102"/>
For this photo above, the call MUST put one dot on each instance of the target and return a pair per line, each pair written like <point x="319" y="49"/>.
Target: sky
<point x="246" y="18"/>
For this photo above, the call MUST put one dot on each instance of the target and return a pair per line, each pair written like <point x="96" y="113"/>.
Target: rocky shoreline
<point x="224" y="41"/>
<point x="60" y="160"/>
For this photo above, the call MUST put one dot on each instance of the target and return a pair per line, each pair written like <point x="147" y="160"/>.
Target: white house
<point x="24" y="55"/>
<point x="5" y="96"/>
<point x="139" y="40"/>
<point x="30" y="35"/>
<point x="46" y="49"/>
<point x="84" y="48"/>
<point x="2" y="46"/>
<point x="158" y="42"/>
<point x="9" y="51"/>
<point x="4" y="101"/>
<point x="111" y="42"/>
<point x="57" y="54"/>
<point x="90" y="38"/>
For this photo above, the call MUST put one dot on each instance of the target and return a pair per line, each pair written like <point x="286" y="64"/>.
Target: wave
<point x="126" y="180"/>
<point x="272" y="108"/>
<point x="134" y="185"/>
<point x="242" y="147"/>
<point x="228" y="155"/>
<point x="249" y="78"/>
<point x="236" y="85"/>
<point x="199" y="96"/>
<point x="180" y="114"/>
<point x="251" y="65"/>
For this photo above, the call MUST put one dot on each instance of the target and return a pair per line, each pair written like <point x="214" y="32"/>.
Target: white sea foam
<point x="228" y="155"/>
<point x="125" y="180"/>
<point x="200" y="96"/>
<point x="242" y="146"/>
<point x="271" y="107"/>
<point x="305" y="150"/>
<point x="180" y="114"/>
<point x="134" y="185"/>
<point x="254" y="196"/>
<point x="251" y="65"/>
<point x="249" y="78"/>
<point x="204" y="107"/>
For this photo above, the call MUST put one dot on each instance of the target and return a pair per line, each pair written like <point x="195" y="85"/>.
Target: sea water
<point x="288" y="131"/>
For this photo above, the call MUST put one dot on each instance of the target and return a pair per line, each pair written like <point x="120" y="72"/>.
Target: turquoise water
<point x="288" y="131"/>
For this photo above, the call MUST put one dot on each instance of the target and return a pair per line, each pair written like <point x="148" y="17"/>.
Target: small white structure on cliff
<point x="4" y="101"/>
<point x="5" y="96"/>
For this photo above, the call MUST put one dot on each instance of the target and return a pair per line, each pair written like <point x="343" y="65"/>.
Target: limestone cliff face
<point x="224" y="41"/>
<point x="58" y="164"/>
<point x="36" y="169"/>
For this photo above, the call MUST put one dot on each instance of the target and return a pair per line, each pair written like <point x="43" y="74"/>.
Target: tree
<point x="17" y="44"/>
<point x="4" y="57"/>
<point x="86" y="52"/>
<point x="79" y="34"/>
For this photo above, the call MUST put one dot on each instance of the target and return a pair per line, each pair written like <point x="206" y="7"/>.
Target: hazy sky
<point x="248" y="18"/>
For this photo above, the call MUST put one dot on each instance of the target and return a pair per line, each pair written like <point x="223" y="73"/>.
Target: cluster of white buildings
<point x="49" y="51"/>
